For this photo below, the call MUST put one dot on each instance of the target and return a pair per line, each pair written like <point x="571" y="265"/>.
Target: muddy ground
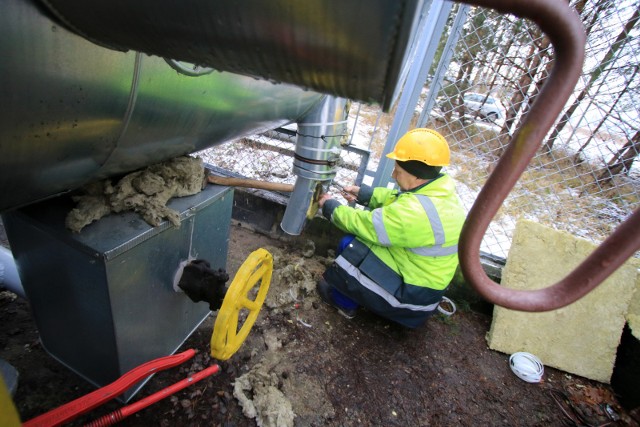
<point x="304" y="364"/>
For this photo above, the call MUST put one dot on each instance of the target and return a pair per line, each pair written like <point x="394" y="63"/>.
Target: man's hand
<point x="350" y="193"/>
<point x="323" y="198"/>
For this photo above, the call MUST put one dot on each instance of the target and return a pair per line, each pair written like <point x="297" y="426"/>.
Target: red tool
<point x="84" y="404"/>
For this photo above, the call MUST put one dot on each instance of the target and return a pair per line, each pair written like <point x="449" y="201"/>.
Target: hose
<point x="527" y="367"/>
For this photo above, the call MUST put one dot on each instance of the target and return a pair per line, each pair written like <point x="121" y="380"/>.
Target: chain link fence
<point x="487" y="72"/>
<point x="269" y="157"/>
<point x="584" y="179"/>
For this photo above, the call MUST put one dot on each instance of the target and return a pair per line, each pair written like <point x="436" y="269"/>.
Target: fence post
<point x="432" y="25"/>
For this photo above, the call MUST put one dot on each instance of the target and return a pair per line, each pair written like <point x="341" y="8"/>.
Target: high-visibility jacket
<point x="406" y="248"/>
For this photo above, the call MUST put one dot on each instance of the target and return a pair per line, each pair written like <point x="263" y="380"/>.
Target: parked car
<point x="485" y="106"/>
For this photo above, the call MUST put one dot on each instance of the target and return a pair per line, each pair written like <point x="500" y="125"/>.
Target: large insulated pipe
<point x="316" y="158"/>
<point x="9" y="277"/>
<point x="351" y="49"/>
<point x="75" y="112"/>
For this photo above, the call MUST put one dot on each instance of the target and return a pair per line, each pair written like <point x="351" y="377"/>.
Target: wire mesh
<point x="269" y="157"/>
<point x="584" y="180"/>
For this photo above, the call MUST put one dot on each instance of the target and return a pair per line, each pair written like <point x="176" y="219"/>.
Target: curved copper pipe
<point x="563" y="26"/>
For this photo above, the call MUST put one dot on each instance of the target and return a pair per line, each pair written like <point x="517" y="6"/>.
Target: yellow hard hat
<point x="424" y="145"/>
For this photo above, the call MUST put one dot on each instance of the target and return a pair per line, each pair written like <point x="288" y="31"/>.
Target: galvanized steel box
<point x="103" y="299"/>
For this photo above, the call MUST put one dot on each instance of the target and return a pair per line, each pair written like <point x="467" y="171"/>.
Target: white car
<point x="485" y="106"/>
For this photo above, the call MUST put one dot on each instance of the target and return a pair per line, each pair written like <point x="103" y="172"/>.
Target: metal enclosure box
<point x="103" y="299"/>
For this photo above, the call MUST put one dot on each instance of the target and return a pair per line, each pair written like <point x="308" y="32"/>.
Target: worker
<point x="400" y="253"/>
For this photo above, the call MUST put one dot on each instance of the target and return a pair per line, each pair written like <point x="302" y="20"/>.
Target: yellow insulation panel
<point x="581" y="338"/>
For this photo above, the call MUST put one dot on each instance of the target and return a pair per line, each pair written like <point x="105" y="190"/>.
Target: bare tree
<point x="593" y="77"/>
<point x="546" y="64"/>
<point x="622" y="161"/>
<point x="538" y="52"/>
<point x="608" y="114"/>
<point x="477" y="41"/>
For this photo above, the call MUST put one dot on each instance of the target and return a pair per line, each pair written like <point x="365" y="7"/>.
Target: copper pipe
<point x="563" y="26"/>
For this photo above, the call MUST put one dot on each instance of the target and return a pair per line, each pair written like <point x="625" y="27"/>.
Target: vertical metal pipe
<point x="295" y="216"/>
<point x="317" y="154"/>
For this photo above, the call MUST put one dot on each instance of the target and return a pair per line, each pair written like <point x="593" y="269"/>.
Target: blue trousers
<point x="338" y="297"/>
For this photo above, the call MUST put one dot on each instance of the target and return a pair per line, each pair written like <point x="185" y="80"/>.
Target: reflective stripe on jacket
<point x="414" y="233"/>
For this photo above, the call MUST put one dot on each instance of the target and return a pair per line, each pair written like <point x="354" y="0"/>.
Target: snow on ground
<point x="271" y="166"/>
<point x="363" y="125"/>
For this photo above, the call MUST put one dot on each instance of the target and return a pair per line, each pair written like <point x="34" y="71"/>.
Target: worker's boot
<point x="326" y="292"/>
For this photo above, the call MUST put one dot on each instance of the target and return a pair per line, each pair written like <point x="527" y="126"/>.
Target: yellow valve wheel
<point x="256" y="270"/>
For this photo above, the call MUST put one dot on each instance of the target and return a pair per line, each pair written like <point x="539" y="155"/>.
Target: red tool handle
<point x="73" y="409"/>
<point x="122" y="413"/>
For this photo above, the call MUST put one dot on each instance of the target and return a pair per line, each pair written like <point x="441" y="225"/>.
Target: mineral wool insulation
<point x="581" y="338"/>
<point x="146" y="191"/>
